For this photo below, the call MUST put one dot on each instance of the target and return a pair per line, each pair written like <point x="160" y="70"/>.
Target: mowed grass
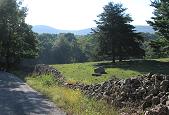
<point x="71" y="101"/>
<point x="162" y="59"/>
<point x="82" y="72"/>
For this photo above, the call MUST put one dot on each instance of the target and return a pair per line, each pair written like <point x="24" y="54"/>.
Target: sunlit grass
<point x="163" y="59"/>
<point x="82" y="72"/>
<point x="73" y="101"/>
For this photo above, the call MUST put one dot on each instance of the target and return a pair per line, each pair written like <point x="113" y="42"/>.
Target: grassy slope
<point x="82" y="72"/>
<point x="72" y="101"/>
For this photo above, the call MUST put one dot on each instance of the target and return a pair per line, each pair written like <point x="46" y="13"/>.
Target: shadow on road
<point x="16" y="98"/>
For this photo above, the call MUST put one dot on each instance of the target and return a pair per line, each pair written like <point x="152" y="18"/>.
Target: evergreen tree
<point x="117" y="38"/>
<point x="17" y="40"/>
<point x="161" y="17"/>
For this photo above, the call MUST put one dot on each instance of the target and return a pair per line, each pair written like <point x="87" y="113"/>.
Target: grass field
<point x="82" y="72"/>
<point x="72" y="101"/>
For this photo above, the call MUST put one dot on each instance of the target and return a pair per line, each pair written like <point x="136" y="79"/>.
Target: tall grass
<point x="73" y="101"/>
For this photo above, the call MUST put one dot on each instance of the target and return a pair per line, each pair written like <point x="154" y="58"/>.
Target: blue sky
<point x="80" y="14"/>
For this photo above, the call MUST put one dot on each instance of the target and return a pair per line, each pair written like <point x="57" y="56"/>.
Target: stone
<point x="155" y="100"/>
<point x="161" y="94"/>
<point x="154" y="91"/>
<point x="158" y="110"/>
<point x="163" y="100"/>
<point x="162" y="110"/>
<point x="167" y="103"/>
<point x="146" y="104"/>
<point x="164" y="85"/>
<point x="100" y="70"/>
<point x="150" y="112"/>
<point x="149" y="97"/>
<point x="149" y="75"/>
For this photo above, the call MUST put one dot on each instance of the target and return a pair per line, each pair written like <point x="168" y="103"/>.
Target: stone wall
<point x="147" y="93"/>
<point x="41" y="69"/>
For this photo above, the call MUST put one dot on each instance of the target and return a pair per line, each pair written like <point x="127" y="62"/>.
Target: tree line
<point x="114" y="38"/>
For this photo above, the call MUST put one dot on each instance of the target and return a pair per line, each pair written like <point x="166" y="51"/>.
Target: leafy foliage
<point x="117" y="38"/>
<point x="160" y="23"/>
<point x="61" y="48"/>
<point x="17" y="41"/>
<point x="161" y="19"/>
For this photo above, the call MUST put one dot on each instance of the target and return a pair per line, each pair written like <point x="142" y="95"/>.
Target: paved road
<point x="17" y="98"/>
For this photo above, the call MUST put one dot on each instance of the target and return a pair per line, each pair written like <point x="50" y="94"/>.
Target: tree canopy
<point x="117" y="38"/>
<point x="17" y="41"/>
<point x="160" y="21"/>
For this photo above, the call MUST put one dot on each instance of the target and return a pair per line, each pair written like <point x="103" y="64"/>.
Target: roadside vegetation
<point x="72" y="101"/>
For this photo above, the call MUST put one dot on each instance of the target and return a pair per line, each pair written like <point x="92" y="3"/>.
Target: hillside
<point x="145" y="29"/>
<point x="47" y="29"/>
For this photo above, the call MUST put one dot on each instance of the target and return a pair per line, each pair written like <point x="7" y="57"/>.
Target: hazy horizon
<point x="78" y="29"/>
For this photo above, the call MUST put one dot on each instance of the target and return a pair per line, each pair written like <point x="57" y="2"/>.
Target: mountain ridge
<point x="47" y="29"/>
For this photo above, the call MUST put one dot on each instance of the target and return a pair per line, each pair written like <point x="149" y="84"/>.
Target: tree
<point x="160" y="47"/>
<point x="117" y="38"/>
<point x="161" y="17"/>
<point x="46" y="43"/>
<point x="17" y="41"/>
<point x="61" y="52"/>
<point x="88" y="44"/>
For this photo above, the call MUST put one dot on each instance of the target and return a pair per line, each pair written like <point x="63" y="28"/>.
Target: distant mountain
<point x="47" y="29"/>
<point x="44" y="29"/>
<point x="145" y="29"/>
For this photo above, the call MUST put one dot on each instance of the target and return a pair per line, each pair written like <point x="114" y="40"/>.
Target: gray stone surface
<point x="100" y="70"/>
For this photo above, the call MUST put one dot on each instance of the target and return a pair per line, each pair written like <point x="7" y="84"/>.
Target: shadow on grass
<point x="142" y="66"/>
<point x="22" y="71"/>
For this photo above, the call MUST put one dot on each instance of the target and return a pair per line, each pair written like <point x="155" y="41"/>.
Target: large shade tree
<point x="117" y="38"/>
<point x="17" y="41"/>
<point x="160" y="21"/>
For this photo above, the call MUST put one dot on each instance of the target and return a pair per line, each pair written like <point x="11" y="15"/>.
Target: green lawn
<point x="82" y="72"/>
<point x="163" y="59"/>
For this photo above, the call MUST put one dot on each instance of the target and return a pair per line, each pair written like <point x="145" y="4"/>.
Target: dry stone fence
<point x="146" y="93"/>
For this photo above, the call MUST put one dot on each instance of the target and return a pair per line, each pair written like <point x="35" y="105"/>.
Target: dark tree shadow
<point x="143" y="66"/>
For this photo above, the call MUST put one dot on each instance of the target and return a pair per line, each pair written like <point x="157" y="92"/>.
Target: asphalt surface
<point x="17" y="98"/>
